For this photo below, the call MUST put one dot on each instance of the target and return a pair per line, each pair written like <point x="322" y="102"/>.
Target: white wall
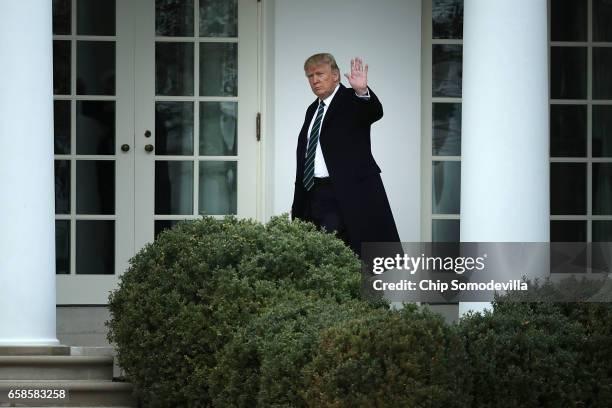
<point x="387" y="34"/>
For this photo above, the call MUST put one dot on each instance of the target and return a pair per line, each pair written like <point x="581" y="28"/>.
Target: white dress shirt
<point x="320" y="168"/>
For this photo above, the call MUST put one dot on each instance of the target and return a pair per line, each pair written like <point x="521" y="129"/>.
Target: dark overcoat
<point x="354" y="174"/>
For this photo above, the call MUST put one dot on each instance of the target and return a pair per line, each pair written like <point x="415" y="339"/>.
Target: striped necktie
<point x="312" y="148"/>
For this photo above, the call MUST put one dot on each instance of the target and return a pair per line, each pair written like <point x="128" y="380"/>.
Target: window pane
<point x="568" y="231"/>
<point x="61" y="127"/>
<point x="447" y="70"/>
<point x="568" y="188"/>
<point x="568" y="20"/>
<point x="95" y="247"/>
<point x="173" y="187"/>
<point x="568" y="129"/>
<point x="174" y="128"/>
<point x="602" y="73"/>
<point x="174" y="18"/>
<point x="174" y="68"/>
<point x="61" y="17"/>
<point x="218" y="182"/>
<point x="162" y="225"/>
<point x="602" y="131"/>
<point x="218" y="69"/>
<point x="446" y="185"/>
<point x="447" y="19"/>
<point x="95" y="17"/>
<point x="602" y="16"/>
<point x="218" y="131"/>
<point x="95" y="68"/>
<point x="95" y="127"/>
<point x="445" y="230"/>
<point x="218" y="18"/>
<point x="62" y="186"/>
<point x="602" y="188"/>
<point x="95" y="187"/>
<point x="61" y="67"/>
<point x="568" y="77"/>
<point x="446" y="130"/>
<point x="62" y="247"/>
<point x="602" y="231"/>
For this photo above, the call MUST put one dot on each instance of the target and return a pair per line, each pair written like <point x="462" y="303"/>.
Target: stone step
<point x="34" y="351"/>
<point x="40" y="368"/>
<point x="92" y="351"/>
<point x="76" y="394"/>
<point x="99" y="351"/>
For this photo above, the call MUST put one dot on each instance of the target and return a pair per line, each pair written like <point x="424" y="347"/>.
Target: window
<point x="580" y="120"/>
<point x="85" y="100"/>
<point x="441" y="155"/>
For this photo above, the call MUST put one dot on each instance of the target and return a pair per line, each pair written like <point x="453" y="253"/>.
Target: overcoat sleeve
<point x="369" y="110"/>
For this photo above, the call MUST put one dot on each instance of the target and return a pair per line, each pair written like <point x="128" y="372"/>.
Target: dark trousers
<point x="322" y="209"/>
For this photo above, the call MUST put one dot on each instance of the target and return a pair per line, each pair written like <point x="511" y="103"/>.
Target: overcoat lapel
<point x="303" y="138"/>
<point x="332" y="110"/>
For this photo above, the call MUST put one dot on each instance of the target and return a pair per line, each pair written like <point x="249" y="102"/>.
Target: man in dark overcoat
<point x="337" y="183"/>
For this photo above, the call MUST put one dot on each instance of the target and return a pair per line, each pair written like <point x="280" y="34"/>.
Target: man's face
<point x="322" y="80"/>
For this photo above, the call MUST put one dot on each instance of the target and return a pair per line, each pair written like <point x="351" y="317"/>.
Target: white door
<point x="155" y="104"/>
<point x="196" y="104"/>
<point x="94" y="117"/>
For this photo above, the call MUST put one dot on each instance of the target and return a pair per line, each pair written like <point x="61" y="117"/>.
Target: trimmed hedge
<point x="262" y="364"/>
<point x="592" y="373"/>
<point x="407" y="358"/>
<point x="522" y="355"/>
<point x="184" y="296"/>
<point x="595" y="351"/>
<point x="233" y="313"/>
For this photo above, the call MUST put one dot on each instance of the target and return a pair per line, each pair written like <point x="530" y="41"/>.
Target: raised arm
<point x="367" y="104"/>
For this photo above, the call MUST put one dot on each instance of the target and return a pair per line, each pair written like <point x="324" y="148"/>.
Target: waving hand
<point x="358" y="79"/>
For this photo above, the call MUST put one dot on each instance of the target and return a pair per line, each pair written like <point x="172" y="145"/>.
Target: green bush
<point x="595" y="352"/>
<point x="593" y="370"/>
<point x="568" y="290"/>
<point x="233" y="313"/>
<point x="262" y="364"/>
<point x="184" y="296"/>
<point x="523" y="355"/>
<point x="407" y="358"/>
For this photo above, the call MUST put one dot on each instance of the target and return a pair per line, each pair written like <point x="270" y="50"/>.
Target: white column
<point x="505" y="167"/>
<point x="27" y="237"/>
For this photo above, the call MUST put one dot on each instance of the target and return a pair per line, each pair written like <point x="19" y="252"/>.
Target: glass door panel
<point x="93" y="112"/>
<point x="195" y="112"/>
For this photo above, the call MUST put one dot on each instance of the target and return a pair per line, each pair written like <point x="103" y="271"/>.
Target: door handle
<point x="149" y="148"/>
<point x="125" y="147"/>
